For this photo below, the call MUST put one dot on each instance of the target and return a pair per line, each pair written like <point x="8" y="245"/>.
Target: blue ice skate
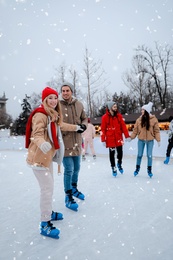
<point x="120" y="168"/>
<point x="47" y="229"/>
<point x="56" y="216"/>
<point x="77" y="193"/>
<point x="70" y="203"/>
<point x="114" y="171"/>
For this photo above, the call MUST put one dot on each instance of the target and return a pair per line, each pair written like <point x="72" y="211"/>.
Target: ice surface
<point x="121" y="218"/>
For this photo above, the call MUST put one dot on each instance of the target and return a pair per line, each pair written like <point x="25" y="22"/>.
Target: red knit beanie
<point x="48" y="91"/>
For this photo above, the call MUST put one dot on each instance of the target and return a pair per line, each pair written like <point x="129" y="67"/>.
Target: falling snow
<point x="121" y="218"/>
<point x="42" y="35"/>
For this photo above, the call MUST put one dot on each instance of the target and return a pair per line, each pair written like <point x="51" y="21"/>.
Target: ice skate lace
<point x="70" y="199"/>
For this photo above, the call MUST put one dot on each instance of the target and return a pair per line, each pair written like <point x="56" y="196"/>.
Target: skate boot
<point x="114" y="171"/>
<point x="56" y="216"/>
<point x="166" y="161"/>
<point x="47" y="229"/>
<point x="149" y="172"/>
<point x="94" y="157"/>
<point x="120" y="168"/>
<point x="137" y="170"/>
<point x="77" y="193"/>
<point x="70" y="202"/>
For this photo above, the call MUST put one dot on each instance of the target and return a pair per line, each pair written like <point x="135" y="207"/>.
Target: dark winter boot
<point x="166" y="161"/>
<point x="47" y="229"/>
<point x="114" y="171"/>
<point x="77" y="193"/>
<point x="70" y="202"/>
<point x="120" y="168"/>
<point x="137" y="170"/>
<point x="149" y="171"/>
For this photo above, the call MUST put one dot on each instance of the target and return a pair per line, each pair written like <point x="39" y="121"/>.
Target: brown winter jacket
<point x="73" y="113"/>
<point x="147" y="135"/>
<point x="39" y="135"/>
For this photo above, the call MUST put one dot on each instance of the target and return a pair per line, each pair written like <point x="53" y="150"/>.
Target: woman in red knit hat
<point x="45" y="145"/>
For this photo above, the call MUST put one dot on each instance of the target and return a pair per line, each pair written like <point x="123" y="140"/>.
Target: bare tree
<point x="100" y="102"/>
<point x="170" y="99"/>
<point x="59" y="77"/>
<point x="157" y="65"/>
<point x="136" y="79"/>
<point x="95" y="82"/>
<point x="63" y="74"/>
<point x="35" y="100"/>
<point x="74" y="76"/>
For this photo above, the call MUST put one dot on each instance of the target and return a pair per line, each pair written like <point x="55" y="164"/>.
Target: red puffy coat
<point x="112" y="130"/>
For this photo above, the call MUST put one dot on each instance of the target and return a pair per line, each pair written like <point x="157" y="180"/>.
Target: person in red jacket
<point x="112" y="129"/>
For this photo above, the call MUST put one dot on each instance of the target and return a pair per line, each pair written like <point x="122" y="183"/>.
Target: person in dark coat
<point x="170" y="141"/>
<point x="112" y="129"/>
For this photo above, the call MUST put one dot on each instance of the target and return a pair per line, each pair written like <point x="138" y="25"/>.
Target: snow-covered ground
<point x="121" y="218"/>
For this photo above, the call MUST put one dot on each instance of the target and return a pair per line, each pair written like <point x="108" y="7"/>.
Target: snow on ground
<point x="121" y="218"/>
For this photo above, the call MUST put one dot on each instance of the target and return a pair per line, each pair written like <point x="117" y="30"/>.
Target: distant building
<point x="3" y="100"/>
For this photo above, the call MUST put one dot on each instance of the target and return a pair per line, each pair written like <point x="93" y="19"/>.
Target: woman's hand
<point x="45" y="147"/>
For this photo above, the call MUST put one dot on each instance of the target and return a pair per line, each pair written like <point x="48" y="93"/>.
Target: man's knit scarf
<point x="29" y="128"/>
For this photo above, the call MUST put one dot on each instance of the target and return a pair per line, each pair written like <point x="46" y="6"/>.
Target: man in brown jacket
<point x="73" y="113"/>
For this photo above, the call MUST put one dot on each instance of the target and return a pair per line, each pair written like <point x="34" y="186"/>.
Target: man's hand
<point x="82" y="128"/>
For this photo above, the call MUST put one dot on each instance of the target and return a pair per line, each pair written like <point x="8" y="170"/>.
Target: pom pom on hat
<point x="148" y="107"/>
<point x="67" y="84"/>
<point x="110" y="104"/>
<point x="48" y="91"/>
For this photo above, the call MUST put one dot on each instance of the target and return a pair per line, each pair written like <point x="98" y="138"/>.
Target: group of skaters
<point x="113" y="128"/>
<point x="60" y="131"/>
<point x="146" y="129"/>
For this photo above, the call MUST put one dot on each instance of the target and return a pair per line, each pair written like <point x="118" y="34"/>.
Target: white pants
<point x="46" y="183"/>
<point x="90" y="142"/>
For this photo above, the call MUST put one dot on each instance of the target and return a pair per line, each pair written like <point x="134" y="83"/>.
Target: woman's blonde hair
<point x="55" y="114"/>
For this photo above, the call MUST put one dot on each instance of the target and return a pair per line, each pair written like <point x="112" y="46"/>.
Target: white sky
<point x="38" y="36"/>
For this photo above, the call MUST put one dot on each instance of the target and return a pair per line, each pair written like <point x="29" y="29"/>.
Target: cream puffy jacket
<point x="147" y="135"/>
